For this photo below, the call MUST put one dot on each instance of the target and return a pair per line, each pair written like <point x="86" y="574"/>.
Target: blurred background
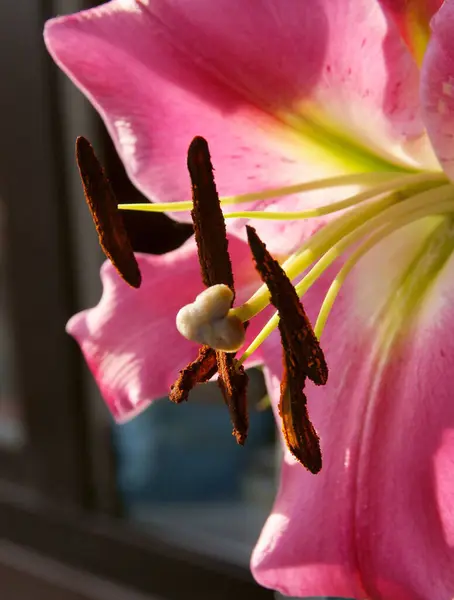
<point x="166" y="507"/>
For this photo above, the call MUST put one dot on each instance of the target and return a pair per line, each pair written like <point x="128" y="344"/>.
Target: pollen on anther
<point x="108" y="221"/>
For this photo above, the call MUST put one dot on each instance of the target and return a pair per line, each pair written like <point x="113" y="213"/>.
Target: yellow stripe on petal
<point x="416" y="30"/>
<point x="356" y="140"/>
<point x="346" y="152"/>
<point x="413" y="20"/>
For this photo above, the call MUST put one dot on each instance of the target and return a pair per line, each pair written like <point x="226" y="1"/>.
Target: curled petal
<point x="377" y="522"/>
<point x="437" y="87"/>
<point x="130" y="340"/>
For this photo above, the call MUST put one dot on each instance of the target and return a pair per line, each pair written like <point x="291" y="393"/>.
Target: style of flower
<point x="335" y="119"/>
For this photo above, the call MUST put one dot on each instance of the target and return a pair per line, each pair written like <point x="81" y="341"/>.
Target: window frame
<point x="57" y="494"/>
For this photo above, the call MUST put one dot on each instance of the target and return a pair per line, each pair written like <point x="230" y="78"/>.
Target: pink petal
<point x="130" y="340"/>
<point x="378" y="521"/>
<point x="437" y="87"/>
<point x="265" y="82"/>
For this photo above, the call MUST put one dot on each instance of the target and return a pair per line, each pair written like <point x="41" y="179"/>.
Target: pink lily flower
<point x="341" y="110"/>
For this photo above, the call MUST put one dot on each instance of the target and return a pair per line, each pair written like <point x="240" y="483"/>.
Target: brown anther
<point x="233" y="381"/>
<point x="102" y="203"/>
<point x="209" y="225"/>
<point x="303" y="357"/>
<point x="214" y="258"/>
<point x="294" y="325"/>
<point x="299" y="433"/>
<point x="200" y="370"/>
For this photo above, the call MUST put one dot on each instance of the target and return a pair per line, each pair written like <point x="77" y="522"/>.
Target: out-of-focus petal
<point x="130" y="340"/>
<point x="283" y="91"/>
<point x="412" y="18"/>
<point x="377" y="522"/>
<point x="437" y="87"/>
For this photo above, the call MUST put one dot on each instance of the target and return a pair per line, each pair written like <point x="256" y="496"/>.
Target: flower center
<point x="388" y="202"/>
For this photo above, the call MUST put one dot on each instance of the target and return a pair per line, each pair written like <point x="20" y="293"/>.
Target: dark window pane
<point x="181" y="472"/>
<point x="11" y="428"/>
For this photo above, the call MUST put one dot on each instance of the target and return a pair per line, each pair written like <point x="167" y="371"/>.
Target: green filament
<point x="434" y="201"/>
<point x="325" y="238"/>
<point x="365" y="179"/>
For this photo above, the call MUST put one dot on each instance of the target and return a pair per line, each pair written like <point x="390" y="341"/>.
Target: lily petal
<point x="377" y="522"/>
<point x="437" y="87"/>
<point x="283" y="91"/>
<point x="130" y="340"/>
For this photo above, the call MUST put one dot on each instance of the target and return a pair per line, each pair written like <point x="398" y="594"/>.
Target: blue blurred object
<point x="186" y="452"/>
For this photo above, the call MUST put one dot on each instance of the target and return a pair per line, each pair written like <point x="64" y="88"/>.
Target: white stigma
<point x="207" y="321"/>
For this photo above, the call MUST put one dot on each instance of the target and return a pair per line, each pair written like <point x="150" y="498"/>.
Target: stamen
<point x="233" y="382"/>
<point x="373" y="240"/>
<point x="202" y="369"/>
<point x="330" y="182"/>
<point x="337" y="206"/>
<point x="312" y="249"/>
<point x="302" y="357"/>
<point x="108" y="221"/>
<point x="424" y="203"/>
<point x="294" y="325"/>
<point x="325" y="238"/>
<point x="300" y="435"/>
<point x="216" y="268"/>
<point x="209" y="226"/>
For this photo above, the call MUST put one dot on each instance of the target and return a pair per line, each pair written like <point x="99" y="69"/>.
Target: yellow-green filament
<point x="433" y="201"/>
<point x="325" y="238"/>
<point x="315" y="247"/>
<point x="428" y="200"/>
<point x="333" y="207"/>
<point x="366" y="179"/>
<point x="260" y="338"/>
<point x="387" y="202"/>
<point x="339" y="280"/>
<point x="159" y="207"/>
